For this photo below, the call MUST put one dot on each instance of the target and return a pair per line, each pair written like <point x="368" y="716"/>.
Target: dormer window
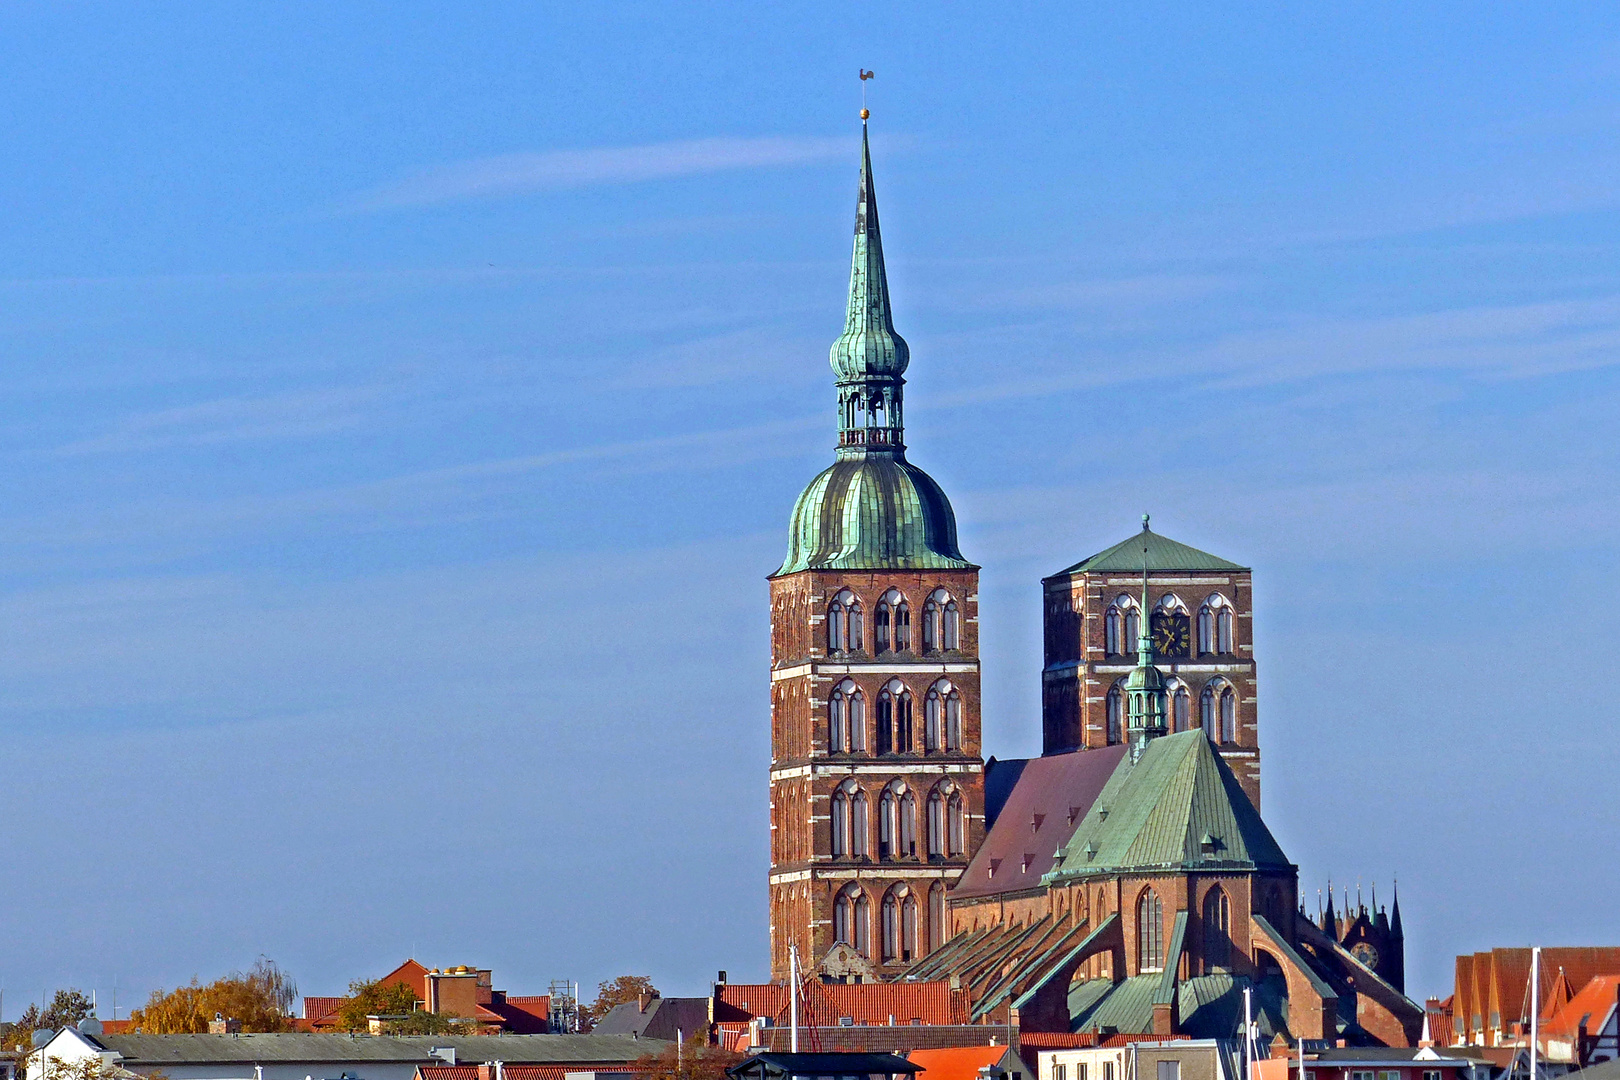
<point x="995" y="864"/>
<point x="1035" y="822"/>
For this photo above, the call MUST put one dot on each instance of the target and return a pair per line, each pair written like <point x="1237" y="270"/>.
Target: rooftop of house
<point x="315" y="1047"/>
<point x="830" y="1004"/>
<point x="659" y="1018"/>
<point x="961" y="1062"/>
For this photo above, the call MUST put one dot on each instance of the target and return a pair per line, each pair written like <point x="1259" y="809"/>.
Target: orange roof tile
<point x="957" y="1062"/>
<point x="319" y="1008"/>
<point x="1595" y="1001"/>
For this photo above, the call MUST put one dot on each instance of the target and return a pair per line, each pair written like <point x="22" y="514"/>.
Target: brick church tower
<point x="876" y="784"/>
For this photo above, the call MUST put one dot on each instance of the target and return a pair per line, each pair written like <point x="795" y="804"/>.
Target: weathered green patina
<point x="872" y="509"/>
<point x="1178" y="808"/>
<point x="1163" y="553"/>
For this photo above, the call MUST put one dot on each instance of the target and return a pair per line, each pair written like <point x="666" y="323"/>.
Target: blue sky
<point x="404" y="403"/>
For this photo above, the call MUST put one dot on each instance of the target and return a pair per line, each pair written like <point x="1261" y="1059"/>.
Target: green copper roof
<point x="869" y="344"/>
<point x="1155" y="814"/>
<point x="873" y="512"/>
<point x="1163" y="552"/>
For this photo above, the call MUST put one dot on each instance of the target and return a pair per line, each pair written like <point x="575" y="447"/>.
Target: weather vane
<point x="864" y="76"/>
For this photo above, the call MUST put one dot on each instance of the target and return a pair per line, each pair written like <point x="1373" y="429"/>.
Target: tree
<point x="368" y="997"/>
<point x="422" y="1022"/>
<point x="688" y="1061"/>
<point x="66" y="1009"/>
<point x="261" y="999"/>
<point x="616" y="992"/>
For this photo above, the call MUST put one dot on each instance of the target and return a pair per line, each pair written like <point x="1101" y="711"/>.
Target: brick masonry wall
<point x="1079" y="671"/>
<point x="805" y="877"/>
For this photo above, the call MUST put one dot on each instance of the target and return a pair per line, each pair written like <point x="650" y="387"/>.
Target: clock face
<point x="1365" y="953"/>
<point x="1172" y="636"/>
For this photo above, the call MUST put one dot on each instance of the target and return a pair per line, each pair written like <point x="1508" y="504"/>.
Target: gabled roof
<point x="1163" y="554"/>
<point x="1157" y="814"/>
<point x="1592" y="1003"/>
<point x="1035" y="820"/>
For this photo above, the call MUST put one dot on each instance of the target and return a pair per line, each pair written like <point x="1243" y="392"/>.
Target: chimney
<point x="486" y="1071"/>
<point x="643" y="1000"/>
<point x="219" y="1025"/>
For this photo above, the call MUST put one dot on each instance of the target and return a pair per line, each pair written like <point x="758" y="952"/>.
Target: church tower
<point x="876" y="783"/>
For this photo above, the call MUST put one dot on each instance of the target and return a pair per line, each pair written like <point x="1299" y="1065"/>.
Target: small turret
<point x="1144" y="687"/>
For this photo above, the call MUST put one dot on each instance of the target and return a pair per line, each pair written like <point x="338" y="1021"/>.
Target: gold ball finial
<point x="865" y="113"/>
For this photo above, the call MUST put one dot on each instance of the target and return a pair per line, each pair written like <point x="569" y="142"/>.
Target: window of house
<point x="1431" y="1074"/>
<point x="1169" y="1070"/>
<point x="1060" y="1071"/>
<point x="1108" y="1070"/>
<point x="1357" y="1075"/>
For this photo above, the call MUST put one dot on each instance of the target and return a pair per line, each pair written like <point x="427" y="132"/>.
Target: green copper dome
<point x="875" y="511"/>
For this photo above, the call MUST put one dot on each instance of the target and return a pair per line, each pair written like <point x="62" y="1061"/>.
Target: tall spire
<point x="1395" y="913"/>
<point x="1144" y="688"/>
<point x="869" y="357"/>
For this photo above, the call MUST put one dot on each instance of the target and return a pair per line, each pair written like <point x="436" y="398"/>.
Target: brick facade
<point x="807" y="774"/>
<point x="1080" y="669"/>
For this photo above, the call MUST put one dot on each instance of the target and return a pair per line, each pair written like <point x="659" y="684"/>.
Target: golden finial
<point x="865" y="112"/>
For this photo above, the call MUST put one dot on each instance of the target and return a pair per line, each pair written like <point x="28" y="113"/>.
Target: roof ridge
<point x="1163" y="552"/>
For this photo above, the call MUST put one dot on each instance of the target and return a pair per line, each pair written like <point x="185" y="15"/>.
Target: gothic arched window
<point x="859" y="827"/>
<point x="908" y="927"/>
<point x="891" y="927"/>
<point x="899" y="699"/>
<point x="930" y="625"/>
<point x="885" y="722"/>
<point x="956" y="824"/>
<point x="850" y="920"/>
<point x="933" y="720"/>
<point x="855" y="638"/>
<point x="837" y="628"/>
<point x="1217" y="930"/>
<point x="1115" y="709"/>
<point x="888" y="824"/>
<point x="1223" y="630"/>
<point x="950" y="632"/>
<point x="1206" y="712"/>
<point x="1206" y="630"/>
<point x="906" y="811"/>
<point x="846" y="719"/>
<point x="936" y="825"/>
<point x="1228" y="716"/>
<point x="1133" y="629"/>
<point x="936" y="916"/>
<point x="1149" y="932"/>
<point x="953" y="720"/>
<point x="1111" y="632"/>
<point x="839" y="817"/>
<point x="1180" y="708"/>
<point x="902" y="627"/>
<point x="881" y="621"/>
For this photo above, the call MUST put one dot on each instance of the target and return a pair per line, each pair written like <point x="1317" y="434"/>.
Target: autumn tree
<point x="369" y="997"/>
<point x="262" y="999"/>
<point x="616" y="992"/>
<point x="686" y="1061"/>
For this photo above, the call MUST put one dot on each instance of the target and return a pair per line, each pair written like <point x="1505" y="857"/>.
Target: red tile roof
<point x="410" y="974"/>
<point x="1051" y="795"/>
<point x="321" y="1008"/>
<point x="829" y="1003"/>
<point x="957" y="1062"/>
<point x="1594" y="1002"/>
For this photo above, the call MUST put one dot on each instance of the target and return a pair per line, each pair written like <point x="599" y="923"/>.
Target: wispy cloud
<point x="514" y="174"/>
<point x="228" y="420"/>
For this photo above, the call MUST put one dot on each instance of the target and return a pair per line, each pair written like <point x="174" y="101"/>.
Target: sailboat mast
<point x="1535" y="1005"/>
